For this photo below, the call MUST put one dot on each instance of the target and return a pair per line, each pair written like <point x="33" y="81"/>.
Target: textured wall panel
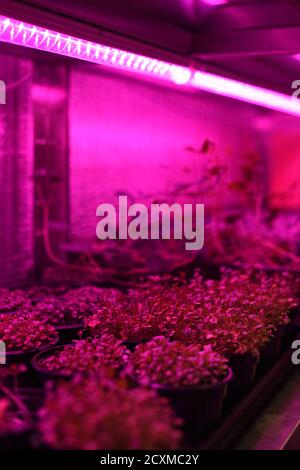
<point x="16" y="164"/>
<point x="130" y="137"/>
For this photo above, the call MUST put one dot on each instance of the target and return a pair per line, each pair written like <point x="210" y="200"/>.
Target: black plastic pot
<point x="244" y="369"/>
<point x="68" y="332"/>
<point x="272" y="348"/>
<point x="294" y="313"/>
<point x="200" y="407"/>
<point x="19" y="357"/>
<point x="44" y="373"/>
<point x="295" y="322"/>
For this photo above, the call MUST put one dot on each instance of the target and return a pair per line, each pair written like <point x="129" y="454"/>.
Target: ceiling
<point x="254" y="40"/>
<point x="188" y="14"/>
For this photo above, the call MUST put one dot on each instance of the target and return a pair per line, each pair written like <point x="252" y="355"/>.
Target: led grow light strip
<point x="245" y="92"/>
<point x="19" y="33"/>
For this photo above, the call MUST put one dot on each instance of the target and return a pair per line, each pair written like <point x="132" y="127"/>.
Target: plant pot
<point x="19" y="357"/>
<point x="272" y="348"/>
<point x="295" y="320"/>
<point x="68" y="332"/>
<point x="199" y="407"/>
<point x="44" y="373"/>
<point x="244" y="369"/>
<point x="294" y="313"/>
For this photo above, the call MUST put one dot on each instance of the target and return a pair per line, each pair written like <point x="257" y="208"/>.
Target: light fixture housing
<point x="28" y="35"/>
<point x="22" y="34"/>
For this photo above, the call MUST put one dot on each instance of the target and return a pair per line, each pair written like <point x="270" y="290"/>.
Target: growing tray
<point x="240" y="407"/>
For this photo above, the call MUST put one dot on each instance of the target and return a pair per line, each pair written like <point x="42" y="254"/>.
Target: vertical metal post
<point x="51" y="183"/>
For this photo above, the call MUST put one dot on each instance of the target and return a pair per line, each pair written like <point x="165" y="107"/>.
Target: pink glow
<point x="18" y="33"/>
<point x="47" y="94"/>
<point x="182" y="76"/>
<point x="215" y="2"/>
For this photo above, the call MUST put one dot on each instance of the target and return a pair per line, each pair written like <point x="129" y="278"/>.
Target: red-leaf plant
<point x="40" y="292"/>
<point x="88" y="356"/>
<point x="71" y="307"/>
<point x="139" y="315"/>
<point x="235" y="315"/>
<point x="161" y="363"/>
<point x="61" y="312"/>
<point x="92" y="415"/>
<point x="278" y="295"/>
<point x="11" y="300"/>
<point x="90" y="293"/>
<point x="22" y="333"/>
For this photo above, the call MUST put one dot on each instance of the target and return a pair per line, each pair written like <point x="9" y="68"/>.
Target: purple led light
<point x="244" y="92"/>
<point x="215" y="2"/>
<point x="22" y="34"/>
<point x="19" y="33"/>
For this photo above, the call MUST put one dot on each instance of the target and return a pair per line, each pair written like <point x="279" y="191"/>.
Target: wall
<point x="16" y="169"/>
<point x="283" y="145"/>
<point x="130" y="137"/>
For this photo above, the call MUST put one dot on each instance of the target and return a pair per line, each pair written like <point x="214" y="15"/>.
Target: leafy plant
<point x="40" y="292"/>
<point x="58" y="311"/>
<point x="89" y="293"/>
<point x="12" y="299"/>
<point x="138" y="315"/>
<point x="87" y="356"/>
<point x="124" y="319"/>
<point x="89" y="415"/>
<point x="278" y="294"/>
<point x="234" y="315"/>
<point x="22" y="333"/>
<point x="173" y="364"/>
<point x="237" y="314"/>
